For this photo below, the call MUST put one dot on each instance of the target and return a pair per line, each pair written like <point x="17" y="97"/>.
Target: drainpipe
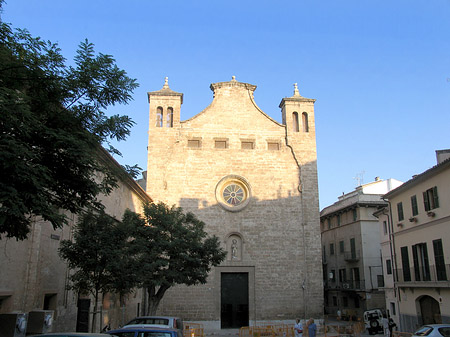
<point x="393" y="256"/>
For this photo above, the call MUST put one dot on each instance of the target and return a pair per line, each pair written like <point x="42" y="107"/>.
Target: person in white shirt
<point x="298" y="328"/>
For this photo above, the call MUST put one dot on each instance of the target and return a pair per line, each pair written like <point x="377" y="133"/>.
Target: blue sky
<point x="380" y="70"/>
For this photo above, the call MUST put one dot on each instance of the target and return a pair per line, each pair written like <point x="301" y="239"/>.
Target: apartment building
<point x="416" y="247"/>
<point x="352" y="269"/>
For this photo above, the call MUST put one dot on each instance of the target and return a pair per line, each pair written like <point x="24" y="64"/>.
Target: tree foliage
<point x="170" y="247"/>
<point x="52" y="122"/>
<point x="98" y="257"/>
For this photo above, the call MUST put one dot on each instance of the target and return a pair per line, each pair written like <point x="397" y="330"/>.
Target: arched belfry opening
<point x="305" y="122"/>
<point x="159" y="117"/>
<point x="295" y="125"/>
<point x="169" y="122"/>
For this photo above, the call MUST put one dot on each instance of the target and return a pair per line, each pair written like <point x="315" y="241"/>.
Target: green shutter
<point x="435" y="197"/>
<point x="426" y="202"/>
<point x="416" y="263"/>
<point x="426" y="266"/>
<point x="405" y="264"/>
<point x="415" y="210"/>
<point x="400" y="211"/>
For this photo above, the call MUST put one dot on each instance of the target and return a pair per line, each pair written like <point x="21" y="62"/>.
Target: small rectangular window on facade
<point x="430" y="199"/>
<point x="247" y="145"/>
<point x="329" y="223"/>
<point x="194" y="143"/>
<point x="385" y="231"/>
<point x="380" y="281"/>
<point x="334" y="301"/>
<point x="355" y="214"/>
<point x="341" y="247"/>
<point x="331" y="248"/>
<point x="388" y="267"/>
<point x="338" y="217"/>
<point x="400" y="211"/>
<point x="273" y="146"/>
<point x="414" y="208"/>
<point x="393" y="312"/>
<point x="220" y="144"/>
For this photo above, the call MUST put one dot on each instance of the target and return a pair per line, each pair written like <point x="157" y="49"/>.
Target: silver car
<point x="433" y="330"/>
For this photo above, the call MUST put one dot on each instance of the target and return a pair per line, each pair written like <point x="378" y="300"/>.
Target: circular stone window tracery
<point x="233" y="193"/>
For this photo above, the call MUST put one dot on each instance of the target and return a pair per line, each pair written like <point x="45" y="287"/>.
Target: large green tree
<point x="52" y="122"/>
<point x="98" y="257"/>
<point x="170" y="247"/>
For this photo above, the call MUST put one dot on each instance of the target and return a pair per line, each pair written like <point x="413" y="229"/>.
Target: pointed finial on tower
<point x="296" y="93"/>
<point x="233" y="78"/>
<point x="166" y="83"/>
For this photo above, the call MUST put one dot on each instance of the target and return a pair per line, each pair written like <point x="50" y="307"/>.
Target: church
<point x="253" y="181"/>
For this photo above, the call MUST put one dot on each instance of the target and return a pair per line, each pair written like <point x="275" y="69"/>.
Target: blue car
<point x="145" y="332"/>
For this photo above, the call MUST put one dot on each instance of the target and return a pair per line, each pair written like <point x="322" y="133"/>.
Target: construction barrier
<point x="256" y="331"/>
<point x="193" y="330"/>
<point x="401" y="334"/>
<point x="344" y="330"/>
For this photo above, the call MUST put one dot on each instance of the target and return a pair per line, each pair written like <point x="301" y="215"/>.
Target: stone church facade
<point x="253" y="181"/>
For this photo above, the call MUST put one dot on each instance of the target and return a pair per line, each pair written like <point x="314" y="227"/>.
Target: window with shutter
<point x="400" y="211"/>
<point x="414" y="207"/>
<point x="430" y="199"/>
<point x="439" y="260"/>
<point x="405" y="264"/>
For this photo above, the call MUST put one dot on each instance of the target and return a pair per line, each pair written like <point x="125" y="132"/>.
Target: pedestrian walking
<point x="385" y="322"/>
<point x="312" y="328"/>
<point x="298" y="328"/>
<point x="392" y="325"/>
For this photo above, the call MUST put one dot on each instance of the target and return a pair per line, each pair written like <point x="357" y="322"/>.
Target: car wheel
<point x="374" y="323"/>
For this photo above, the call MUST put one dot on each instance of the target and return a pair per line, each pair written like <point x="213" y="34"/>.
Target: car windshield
<point x="143" y="320"/>
<point x="445" y="331"/>
<point x="424" y="331"/>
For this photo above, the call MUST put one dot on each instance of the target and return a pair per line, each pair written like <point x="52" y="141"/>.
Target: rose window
<point x="233" y="193"/>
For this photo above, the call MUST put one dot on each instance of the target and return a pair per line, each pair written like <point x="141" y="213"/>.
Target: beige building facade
<point x="34" y="278"/>
<point x="416" y="254"/>
<point x="253" y="181"/>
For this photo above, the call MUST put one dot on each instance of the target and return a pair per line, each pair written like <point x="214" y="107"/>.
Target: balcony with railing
<point x="424" y="276"/>
<point x="352" y="256"/>
<point x="350" y="285"/>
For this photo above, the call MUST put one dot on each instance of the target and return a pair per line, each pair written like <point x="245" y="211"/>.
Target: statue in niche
<point x="234" y="249"/>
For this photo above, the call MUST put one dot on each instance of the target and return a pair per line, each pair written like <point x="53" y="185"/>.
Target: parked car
<point x="433" y="330"/>
<point x="71" y="334"/>
<point x="156" y="322"/>
<point x="373" y="321"/>
<point x="145" y="332"/>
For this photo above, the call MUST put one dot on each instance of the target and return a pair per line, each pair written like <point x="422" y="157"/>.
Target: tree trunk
<point x="154" y="298"/>
<point x="95" y="311"/>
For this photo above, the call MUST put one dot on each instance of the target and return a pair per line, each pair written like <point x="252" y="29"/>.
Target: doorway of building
<point x="234" y="300"/>
<point x="430" y="311"/>
<point x="83" y="315"/>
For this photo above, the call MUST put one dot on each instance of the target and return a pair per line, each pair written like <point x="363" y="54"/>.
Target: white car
<point x="433" y="330"/>
<point x="156" y="322"/>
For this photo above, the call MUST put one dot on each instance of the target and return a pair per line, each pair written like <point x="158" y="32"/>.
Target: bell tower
<point x="165" y="106"/>
<point x="298" y="114"/>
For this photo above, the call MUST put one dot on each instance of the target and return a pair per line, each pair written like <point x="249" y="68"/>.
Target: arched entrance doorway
<point x="430" y="310"/>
